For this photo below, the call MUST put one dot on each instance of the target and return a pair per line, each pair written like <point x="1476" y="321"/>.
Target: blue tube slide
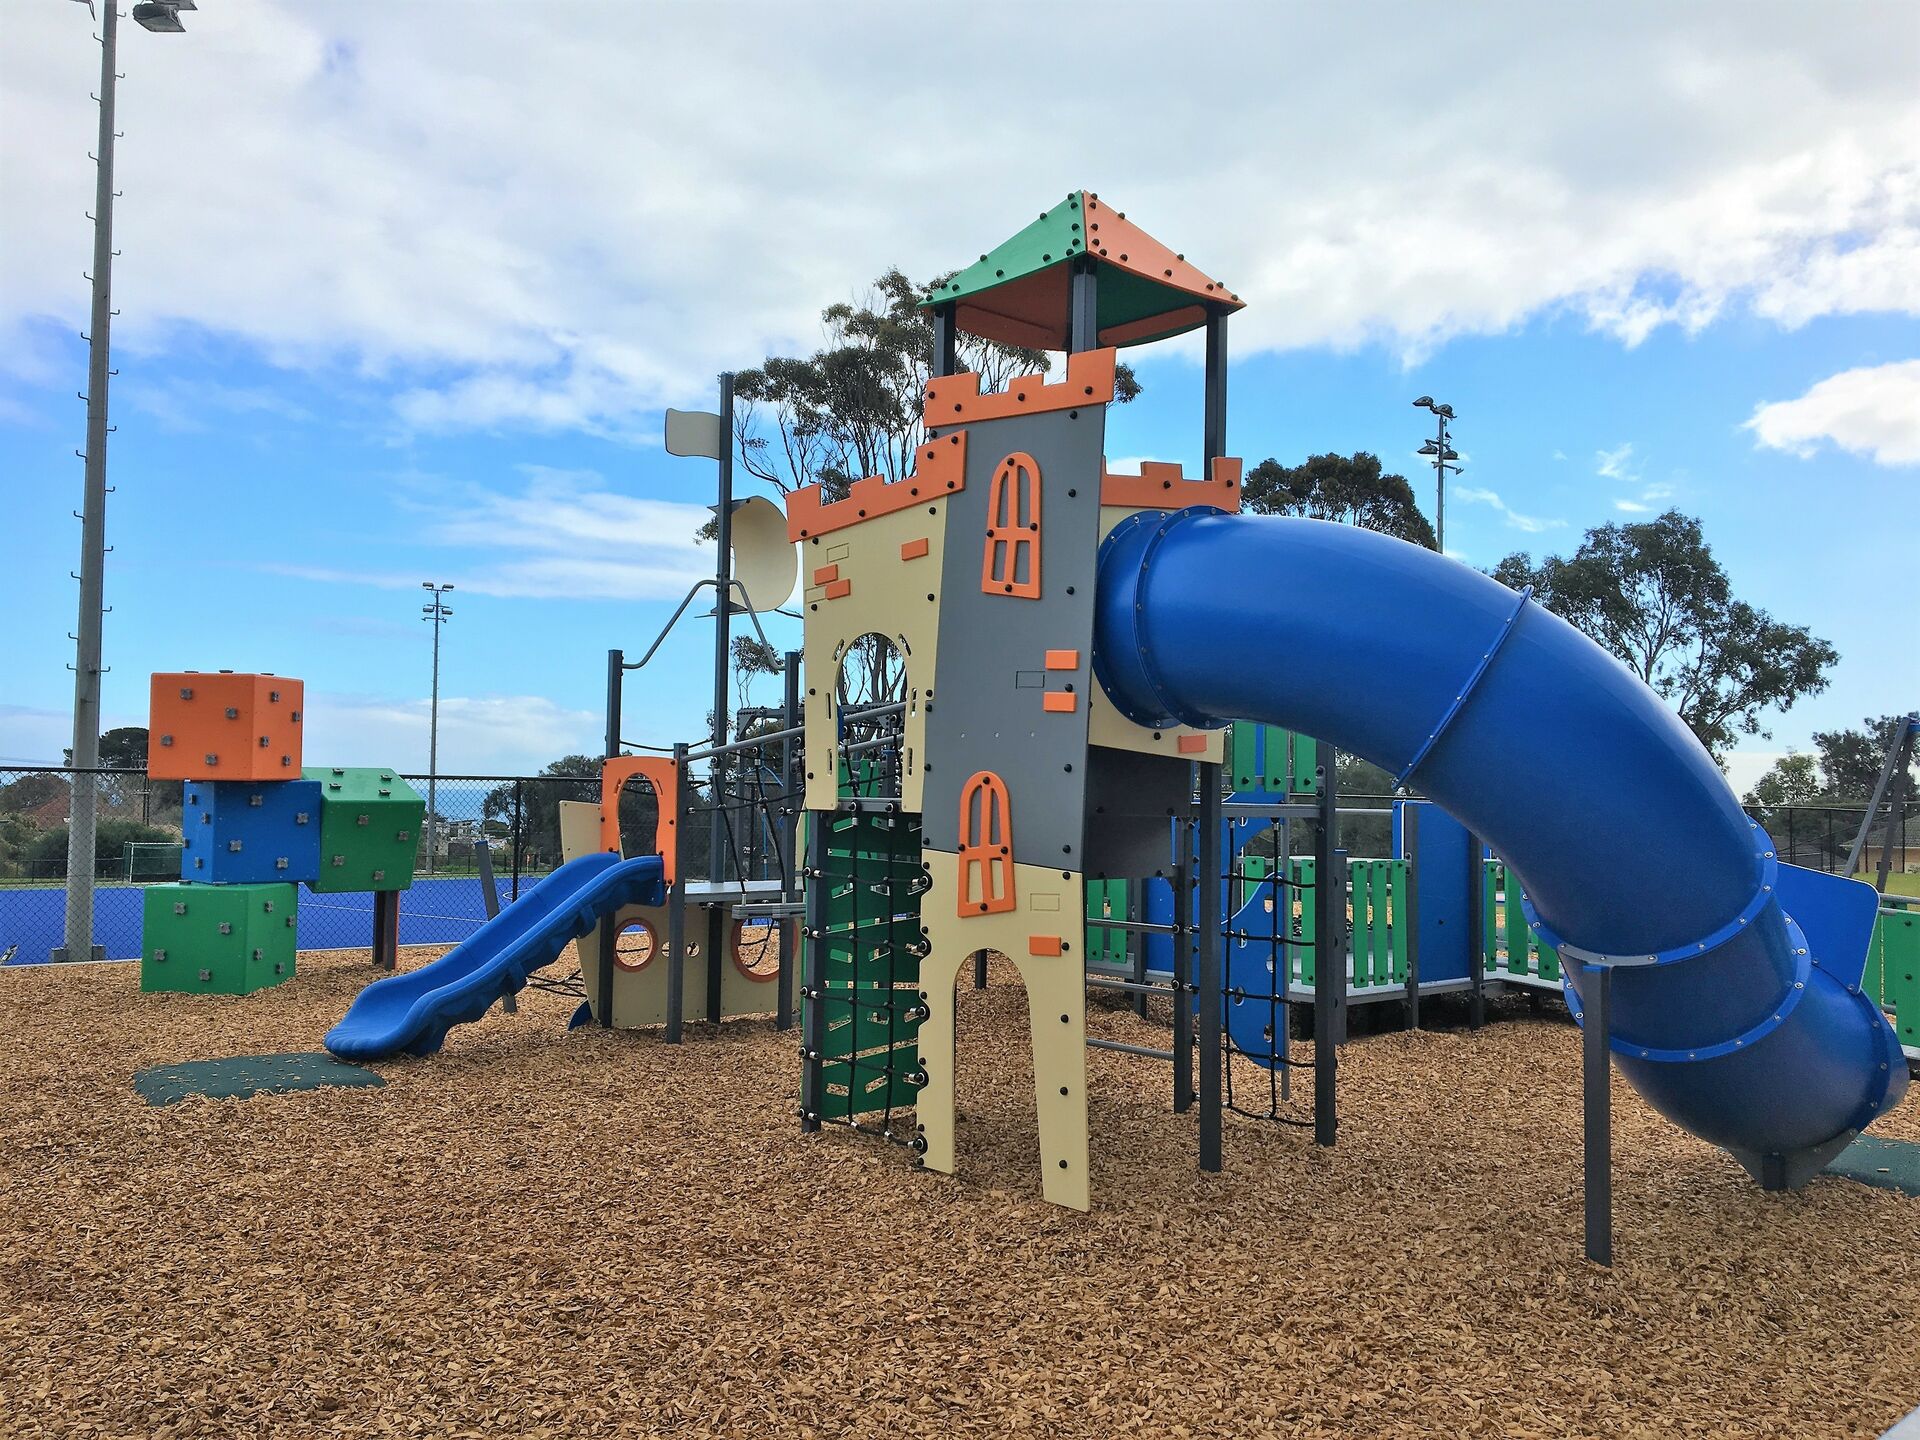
<point x="1737" y="1010"/>
<point x="413" y="1011"/>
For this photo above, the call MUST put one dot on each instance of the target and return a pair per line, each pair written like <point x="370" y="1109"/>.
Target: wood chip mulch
<point x="568" y="1235"/>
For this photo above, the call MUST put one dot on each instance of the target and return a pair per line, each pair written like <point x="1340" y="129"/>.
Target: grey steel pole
<point x="1440" y="483"/>
<point x="722" y="621"/>
<point x="437" y="614"/>
<point x="93" y="526"/>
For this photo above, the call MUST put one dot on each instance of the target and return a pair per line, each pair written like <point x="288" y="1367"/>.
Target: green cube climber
<point x="369" y="830"/>
<point x="218" y="939"/>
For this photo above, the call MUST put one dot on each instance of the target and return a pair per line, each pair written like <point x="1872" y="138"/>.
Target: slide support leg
<point x="1596" y="1086"/>
<point x="1182" y="948"/>
<point x="386" y="929"/>
<point x="1207" y="924"/>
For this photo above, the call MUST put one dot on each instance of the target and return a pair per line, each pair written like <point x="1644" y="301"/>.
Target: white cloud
<point x="1632" y="507"/>
<point x="479" y="735"/>
<point x="1531" y="524"/>
<point x="540" y="217"/>
<point x="1872" y="411"/>
<point x="1616" y="464"/>
<point x="562" y="535"/>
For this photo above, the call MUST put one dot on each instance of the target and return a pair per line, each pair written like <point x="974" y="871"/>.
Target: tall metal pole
<point x="722" y="621"/>
<point x="437" y="614"/>
<point x="93" y="526"/>
<point x="1440" y="485"/>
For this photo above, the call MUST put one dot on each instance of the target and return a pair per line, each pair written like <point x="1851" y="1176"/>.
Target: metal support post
<point x="677" y="907"/>
<point x="1477" y="932"/>
<point x="609" y="934"/>
<point x="787" y="837"/>
<point x="1182" y="982"/>
<point x="1206" y="907"/>
<point x="1596" y="1088"/>
<point x="1329" y="955"/>
<point x="946" y="351"/>
<point x="386" y="929"/>
<point x="813" y="1022"/>
<point x="1083" y="306"/>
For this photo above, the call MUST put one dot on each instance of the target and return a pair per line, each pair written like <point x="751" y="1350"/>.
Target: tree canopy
<point x="1352" y="489"/>
<point x="852" y="408"/>
<point x="1654" y="595"/>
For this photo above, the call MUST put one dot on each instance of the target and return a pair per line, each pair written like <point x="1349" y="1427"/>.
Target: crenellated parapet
<point x="1163" y="485"/>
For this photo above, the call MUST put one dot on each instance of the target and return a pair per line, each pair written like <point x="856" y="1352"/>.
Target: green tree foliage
<point x="1793" y="780"/>
<point x="752" y="657"/>
<point x="571" y="777"/>
<point x="1653" y="594"/>
<point x="124" y="748"/>
<point x="852" y="408"/>
<point x="1850" y="760"/>
<point x="1352" y="489"/>
<point x="33" y="792"/>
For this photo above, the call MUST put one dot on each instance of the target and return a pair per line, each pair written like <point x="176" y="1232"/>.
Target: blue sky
<point x="389" y="315"/>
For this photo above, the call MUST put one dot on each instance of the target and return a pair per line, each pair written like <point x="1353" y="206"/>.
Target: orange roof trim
<point x="1162" y="485"/>
<point x="956" y="399"/>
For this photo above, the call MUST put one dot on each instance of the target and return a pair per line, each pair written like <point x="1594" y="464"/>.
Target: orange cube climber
<point x="221" y="726"/>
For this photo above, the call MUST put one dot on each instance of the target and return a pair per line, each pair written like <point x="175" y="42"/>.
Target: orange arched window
<point x="986" y="847"/>
<point x="1011" y="565"/>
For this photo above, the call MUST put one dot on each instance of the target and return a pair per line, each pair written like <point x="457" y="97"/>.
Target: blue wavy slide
<point x="1737" y="1004"/>
<point x="413" y="1011"/>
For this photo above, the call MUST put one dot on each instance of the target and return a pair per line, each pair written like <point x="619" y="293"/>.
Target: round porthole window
<point x="635" y="946"/>
<point x="759" y="947"/>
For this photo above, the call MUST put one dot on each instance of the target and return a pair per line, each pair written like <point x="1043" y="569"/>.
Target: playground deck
<point x="594" y="1234"/>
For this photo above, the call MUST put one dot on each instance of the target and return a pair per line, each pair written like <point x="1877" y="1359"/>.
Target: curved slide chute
<point x="1737" y="1007"/>
<point x="413" y="1011"/>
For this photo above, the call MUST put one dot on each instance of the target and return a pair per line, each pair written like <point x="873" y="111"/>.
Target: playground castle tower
<point x="1017" y="779"/>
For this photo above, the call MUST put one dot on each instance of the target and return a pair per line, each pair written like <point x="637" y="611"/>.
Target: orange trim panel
<point x="658" y="772"/>
<point x="1010" y="563"/>
<point x="956" y="399"/>
<point x="1192" y="744"/>
<point x="1063" y="659"/>
<point x="839" y="589"/>
<point x="1060" y="702"/>
<point x="940" y="468"/>
<point x="913" y="549"/>
<point x="1046" y="945"/>
<point x="1162" y="485"/>
<point x="826" y="573"/>
<point x="986" y="847"/>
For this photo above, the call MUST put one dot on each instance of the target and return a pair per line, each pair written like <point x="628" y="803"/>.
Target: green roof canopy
<point x="1018" y="292"/>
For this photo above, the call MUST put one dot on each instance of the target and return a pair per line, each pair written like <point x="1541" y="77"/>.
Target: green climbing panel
<point x="369" y="830"/>
<point x="868" y="963"/>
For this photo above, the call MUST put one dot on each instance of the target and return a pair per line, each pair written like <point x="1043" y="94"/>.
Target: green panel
<point x="1106" y="900"/>
<point x="1303" y="900"/>
<point x="1303" y="759"/>
<point x="217" y="939"/>
<point x="876" y="1018"/>
<point x="369" y="830"/>
<point x="1053" y="239"/>
<point x="1899" y="945"/>
<point x="1243" y="757"/>
<point x="1254" y="869"/>
<point x="241" y="1076"/>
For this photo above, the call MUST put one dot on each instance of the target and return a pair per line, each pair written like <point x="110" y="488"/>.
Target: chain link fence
<point x="514" y="818"/>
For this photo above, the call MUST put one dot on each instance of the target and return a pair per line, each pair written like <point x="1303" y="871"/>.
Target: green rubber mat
<point x="242" y="1075"/>
<point x="1888" y="1164"/>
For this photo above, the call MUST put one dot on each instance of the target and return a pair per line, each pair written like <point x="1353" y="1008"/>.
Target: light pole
<point x="436" y="613"/>
<point x="1442" y="459"/>
<point x="162" y="16"/>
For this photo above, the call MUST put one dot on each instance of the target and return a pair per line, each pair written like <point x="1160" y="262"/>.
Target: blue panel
<point x="242" y="832"/>
<point x="1442" y="917"/>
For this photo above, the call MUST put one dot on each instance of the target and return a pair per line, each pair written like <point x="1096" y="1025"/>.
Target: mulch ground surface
<point x="568" y="1235"/>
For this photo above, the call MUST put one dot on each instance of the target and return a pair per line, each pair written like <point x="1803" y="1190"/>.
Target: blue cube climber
<point x="247" y="832"/>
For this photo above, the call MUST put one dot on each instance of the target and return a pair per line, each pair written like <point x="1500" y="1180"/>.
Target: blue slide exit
<point x="1737" y="1008"/>
<point x="412" y="1012"/>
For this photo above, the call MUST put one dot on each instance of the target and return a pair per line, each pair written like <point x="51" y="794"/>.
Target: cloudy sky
<point x="405" y="288"/>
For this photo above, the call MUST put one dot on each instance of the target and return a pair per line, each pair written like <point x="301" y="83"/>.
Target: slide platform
<point x="411" y="1012"/>
<point x="1737" y="1006"/>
